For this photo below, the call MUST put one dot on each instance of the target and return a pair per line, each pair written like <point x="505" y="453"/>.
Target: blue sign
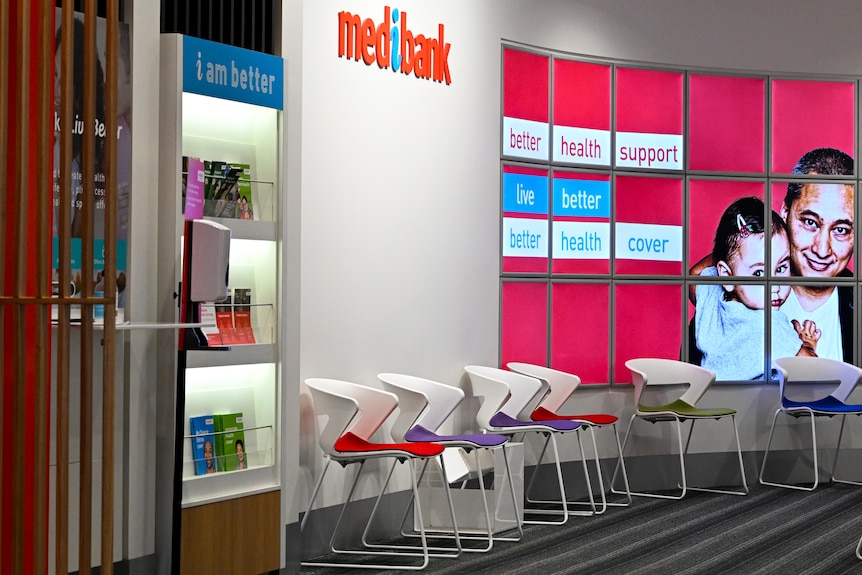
<point x="582" y="198"/>
<point x="525" y="194"/>
<point x="77" y="261"/>
<point x="231" y="73"/>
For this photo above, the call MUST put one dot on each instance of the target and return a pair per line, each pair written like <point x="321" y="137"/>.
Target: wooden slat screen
<point x="27" y="107"/>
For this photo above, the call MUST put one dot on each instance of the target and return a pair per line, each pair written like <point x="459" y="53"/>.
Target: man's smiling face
<point x="820" y="227"/>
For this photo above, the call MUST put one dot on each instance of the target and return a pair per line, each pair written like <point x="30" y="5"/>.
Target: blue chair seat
<point x="828" y="404"/>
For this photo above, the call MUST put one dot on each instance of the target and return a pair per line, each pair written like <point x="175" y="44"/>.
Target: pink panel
<point x="808" y="115"/>
<point x="579" y="330"/>
<point x="647" y="323"/>
<point x="582" y="94"/>
<point x="727" y="118"/>
<point x="525" y="85"/>
<point x="649" y="101"/>
<point x="707" y="201"/>
<point x="648" y="201"/>
<point x="524" y="322"/>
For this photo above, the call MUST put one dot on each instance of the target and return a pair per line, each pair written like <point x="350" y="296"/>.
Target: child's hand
<point x="808" y="333"/>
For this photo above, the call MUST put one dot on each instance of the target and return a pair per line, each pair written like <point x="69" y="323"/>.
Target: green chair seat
<point x="683" y="409"/>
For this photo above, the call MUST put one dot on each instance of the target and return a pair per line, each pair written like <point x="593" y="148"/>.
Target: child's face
<point x="748" y="261"/>
<point x="780" y="268"/>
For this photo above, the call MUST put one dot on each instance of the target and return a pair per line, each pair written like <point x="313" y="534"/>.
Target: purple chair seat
<point x="419" y="433"/>
<point x="500" y="419"/>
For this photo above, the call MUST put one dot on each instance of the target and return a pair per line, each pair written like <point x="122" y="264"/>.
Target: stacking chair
<point x="557" y="387"/>
<point x="424" y="405"/>
<point x="654" y="372"/>
<point x="506" y="395"/>
<point x="811" y="370"/>
<point x="355" y="412"/>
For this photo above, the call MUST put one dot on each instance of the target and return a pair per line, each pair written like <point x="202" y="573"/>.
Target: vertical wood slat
<point x="19" y="291"/>
<point x="86" y="211"/>
<point x="4" y="147"/>
<point x="43" y="193"/>
<point x="110" y="288"/>
<point x="64" y="218"/>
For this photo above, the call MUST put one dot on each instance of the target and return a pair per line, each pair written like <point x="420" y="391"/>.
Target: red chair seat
<point x="350" y="443"/>
<point x="542" y="413"/>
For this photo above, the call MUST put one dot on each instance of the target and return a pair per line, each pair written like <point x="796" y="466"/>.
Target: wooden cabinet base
<point x="234" y="537"/>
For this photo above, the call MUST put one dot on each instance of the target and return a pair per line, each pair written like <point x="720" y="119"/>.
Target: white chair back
<point x="438" y="400"/>
<point x="503" y="390"/>
<point x="819" y="370"/>
<point x="657" y="371"/>
<point x="561" y="385"/>
<point x="351" y="407"/>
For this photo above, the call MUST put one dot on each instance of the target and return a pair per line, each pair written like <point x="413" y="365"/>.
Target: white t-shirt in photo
<point x="827" y="321"/>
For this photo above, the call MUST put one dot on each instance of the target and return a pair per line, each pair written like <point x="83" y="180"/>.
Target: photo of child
<point x="729" y="318"/>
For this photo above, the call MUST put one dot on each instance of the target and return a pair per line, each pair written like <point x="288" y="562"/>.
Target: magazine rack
<point x="218" y="150"/>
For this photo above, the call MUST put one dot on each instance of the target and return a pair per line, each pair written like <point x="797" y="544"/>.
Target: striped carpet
<point x="771" y="531"/>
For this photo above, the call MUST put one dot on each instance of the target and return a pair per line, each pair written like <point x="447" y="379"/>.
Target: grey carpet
<point x="771" y="531"/>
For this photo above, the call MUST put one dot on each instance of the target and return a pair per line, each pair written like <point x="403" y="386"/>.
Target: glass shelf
<point x="258" y="444"/>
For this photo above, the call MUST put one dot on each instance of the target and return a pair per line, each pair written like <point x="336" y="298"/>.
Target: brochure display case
<point x="221" y="142"/>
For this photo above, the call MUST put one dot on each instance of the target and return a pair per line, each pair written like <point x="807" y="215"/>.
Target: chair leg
<point x="518" y="521"/>
<point x="535" y="473"/>
<point x="314" y="493"/>
<point x="443" y="552"/>
<point x="813" y="448"/>
<point x="683" y="449"/>
<point x="768" y="446"/>
<point x="593" y="509"/>
<point x="739" y="456"/>
<point x="488" y="537"/>
<point x="644" y="493"/>
<point x="621" y="464"/>
<point x="488" y="525"/>
<point x="835" y="459"/>
<point x="400" y="567"/>
<point x="597" y="510"/>
<point x="564" y="509"/>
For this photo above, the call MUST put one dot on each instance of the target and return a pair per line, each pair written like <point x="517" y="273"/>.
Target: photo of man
<point x="817" y="218"/>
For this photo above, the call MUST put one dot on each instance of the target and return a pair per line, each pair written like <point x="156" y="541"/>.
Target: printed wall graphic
<point x="649" y="225"/>
<point x="582" y="113"/>
<point x="708" y="200"/>
<point x="694" y="241"/>
<point x="525" y="236"/>
<point x="727" y="123"/>
<point x="649" y="119"/>
<point x="809" y="114"/>
<point x="647" y="322"/>
<point x="124" y="159"/>
<point x="580" y="330"/>
<point x="525" y="105"/>
<point x="581" y="226"/>
<point x="524" y="329"/>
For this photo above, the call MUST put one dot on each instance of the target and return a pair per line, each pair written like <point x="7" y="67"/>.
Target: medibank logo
<point x="393" y="45"/>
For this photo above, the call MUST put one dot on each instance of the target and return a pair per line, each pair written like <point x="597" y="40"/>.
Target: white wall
<point x="399" y="177"/>
<point x="400" y="210"/>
